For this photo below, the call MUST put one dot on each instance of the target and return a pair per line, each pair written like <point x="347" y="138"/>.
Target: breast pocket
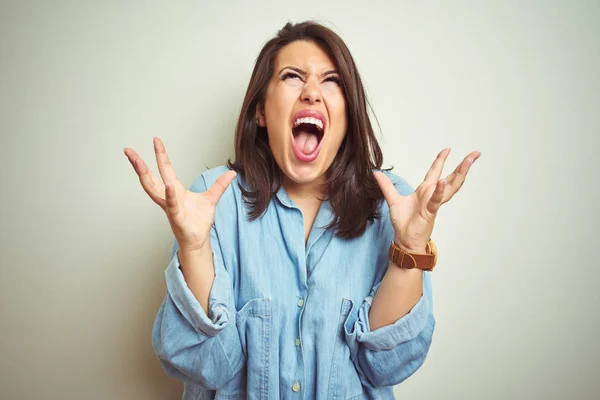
<point x="344" y="382"/>
<point x="253" y="322"/>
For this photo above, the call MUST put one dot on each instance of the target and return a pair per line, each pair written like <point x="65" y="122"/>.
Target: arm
<point x="390" y="334"/>
<point x="393" y="351"/>
<point x="191" y="344"/>
<point x="198" y="270"/>
<point x="398" y="293"/>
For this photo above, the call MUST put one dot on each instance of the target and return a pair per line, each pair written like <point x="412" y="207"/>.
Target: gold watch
<point x="404" y="259"/>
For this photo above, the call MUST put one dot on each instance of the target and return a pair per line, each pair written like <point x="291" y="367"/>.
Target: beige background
<point x="82" y="248"/>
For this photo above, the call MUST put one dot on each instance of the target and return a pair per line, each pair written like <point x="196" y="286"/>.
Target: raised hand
<point x="190" y="214"/>
<point x="413" y="216"/>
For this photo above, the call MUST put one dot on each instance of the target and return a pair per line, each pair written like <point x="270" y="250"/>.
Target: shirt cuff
<point x="404" y="329"/>
<point x="190" y="308"/>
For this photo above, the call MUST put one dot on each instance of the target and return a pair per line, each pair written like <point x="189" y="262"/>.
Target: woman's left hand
<point x="413" y="216"/>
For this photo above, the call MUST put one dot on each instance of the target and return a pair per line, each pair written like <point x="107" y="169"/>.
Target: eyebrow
<point x="302" y="72"/>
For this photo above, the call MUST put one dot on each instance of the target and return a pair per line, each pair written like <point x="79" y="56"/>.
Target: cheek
<point x="278" y="108"/>
<point x="332" y="90"/>
<point x="337" y="112"/>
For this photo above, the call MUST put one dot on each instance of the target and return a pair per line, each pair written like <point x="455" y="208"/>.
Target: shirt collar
<point x="324" y="215"/>
<point x="284" y="199"/>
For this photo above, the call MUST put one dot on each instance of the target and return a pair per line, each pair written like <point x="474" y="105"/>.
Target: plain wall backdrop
<point x="83" y="248"/>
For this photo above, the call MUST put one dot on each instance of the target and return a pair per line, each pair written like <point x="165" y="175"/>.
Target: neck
<point x="304" y="192"/>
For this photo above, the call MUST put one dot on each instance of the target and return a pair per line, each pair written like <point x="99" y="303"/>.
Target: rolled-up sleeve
<point x="192" y="346"/>
<point x="392" y="353"/>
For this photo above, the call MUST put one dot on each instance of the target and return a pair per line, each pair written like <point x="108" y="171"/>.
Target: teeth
<point x="309" y="120"/>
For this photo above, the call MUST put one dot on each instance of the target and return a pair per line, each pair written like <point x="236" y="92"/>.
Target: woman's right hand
<point x="190" y="214"/>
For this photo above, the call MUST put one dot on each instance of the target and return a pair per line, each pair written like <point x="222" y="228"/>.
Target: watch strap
<point x="407" y="260"/>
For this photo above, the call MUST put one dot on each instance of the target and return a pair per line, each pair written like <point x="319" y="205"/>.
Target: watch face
<point x="434" y="252"/>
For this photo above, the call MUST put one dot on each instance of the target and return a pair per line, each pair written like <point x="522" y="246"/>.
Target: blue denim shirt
<point x="288" y="320"/>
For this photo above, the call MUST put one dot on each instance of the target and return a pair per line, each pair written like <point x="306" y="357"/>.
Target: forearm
<point x="199" y="273"/>
<point x="398" y="293"/>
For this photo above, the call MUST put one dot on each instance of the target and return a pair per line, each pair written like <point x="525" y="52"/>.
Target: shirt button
<point x="298" y="342"/>
<point x="300" y="303"/>
<point x="296" y="387"/>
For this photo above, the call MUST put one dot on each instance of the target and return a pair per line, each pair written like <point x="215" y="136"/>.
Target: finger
<point x="387" y="188"/>
<point x="131" y="155"/>
<point x="218" y="188"/>
<point x="172" y="204"/>
<point x="165" y="168"/>
<point x="457" y="177"/>
<point x="434" y="203"/>
<point x="435" y="171"/>
<point x="151" y="184"/>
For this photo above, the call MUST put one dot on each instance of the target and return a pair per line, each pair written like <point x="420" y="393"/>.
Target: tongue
<point x="306" y="142"/>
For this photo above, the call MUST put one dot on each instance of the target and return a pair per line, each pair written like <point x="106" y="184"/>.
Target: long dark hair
<point x="351" y="187"/>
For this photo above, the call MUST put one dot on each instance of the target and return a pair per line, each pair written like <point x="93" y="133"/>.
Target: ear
<point x="260" y="116"/>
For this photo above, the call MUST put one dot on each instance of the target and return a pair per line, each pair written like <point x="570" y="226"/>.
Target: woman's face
<point x="304" y="112"/>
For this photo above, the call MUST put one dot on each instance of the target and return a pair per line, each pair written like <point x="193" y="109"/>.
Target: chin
<point x="303" y="173"/>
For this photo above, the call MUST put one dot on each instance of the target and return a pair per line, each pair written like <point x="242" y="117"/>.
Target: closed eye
<point x="289" y="75"/>
<point x="335" y="79"/>
<point x="332" y="78"/>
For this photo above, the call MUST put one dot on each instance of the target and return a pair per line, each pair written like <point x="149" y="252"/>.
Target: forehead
<point x="305" y="55"/>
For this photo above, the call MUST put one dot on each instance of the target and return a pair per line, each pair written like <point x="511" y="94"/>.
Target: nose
<point x="311" y="93"/>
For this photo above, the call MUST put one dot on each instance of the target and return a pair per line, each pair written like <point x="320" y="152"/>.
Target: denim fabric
<point x="288" y="320"/>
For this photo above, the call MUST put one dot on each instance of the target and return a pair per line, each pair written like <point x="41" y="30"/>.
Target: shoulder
<point x="402" y="186"/>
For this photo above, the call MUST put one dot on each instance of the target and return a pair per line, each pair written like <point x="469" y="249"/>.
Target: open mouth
<point x="308" y="133"/>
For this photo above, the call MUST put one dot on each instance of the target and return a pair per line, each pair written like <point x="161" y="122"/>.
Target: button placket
<point x="300" y="303"/>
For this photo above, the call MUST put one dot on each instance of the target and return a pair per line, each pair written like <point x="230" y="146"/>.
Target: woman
<point x="280" y="284"/>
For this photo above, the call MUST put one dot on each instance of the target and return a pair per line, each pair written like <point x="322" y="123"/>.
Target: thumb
<point x="436" y="197"/>
<point x="172" y="203"/>
<point x="387" y="188"/>
<point x="218" y="188"/>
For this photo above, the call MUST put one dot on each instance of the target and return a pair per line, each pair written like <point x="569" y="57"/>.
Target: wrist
<point x="195" y="249"/>
<point x="191" y="259"/>
<point x="414" y="256"/>
<point x="413" y="248"/>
